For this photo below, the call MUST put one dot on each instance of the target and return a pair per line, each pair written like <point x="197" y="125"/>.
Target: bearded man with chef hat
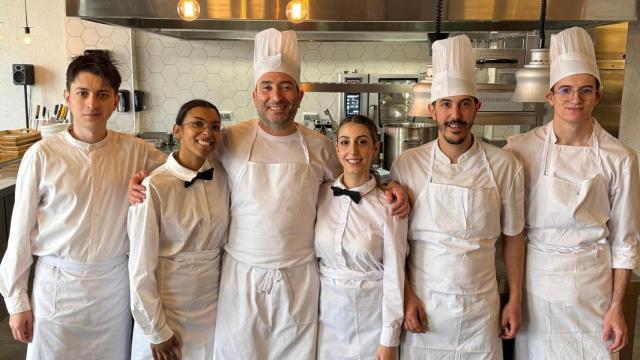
<point x="582" y="217"/>
<point x="270" y="283"/>
<point x="465" y="194"/>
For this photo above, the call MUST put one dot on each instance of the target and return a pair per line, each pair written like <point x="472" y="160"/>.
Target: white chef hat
<point x="453" y="68"/>
<point x="276" y="51"/>
<point x="571" y="52"/>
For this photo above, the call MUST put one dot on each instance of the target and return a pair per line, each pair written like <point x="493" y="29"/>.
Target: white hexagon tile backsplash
<point x="81" y="35"/>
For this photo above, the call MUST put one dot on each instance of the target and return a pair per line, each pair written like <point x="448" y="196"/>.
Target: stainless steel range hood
<point x="349" y="20"/>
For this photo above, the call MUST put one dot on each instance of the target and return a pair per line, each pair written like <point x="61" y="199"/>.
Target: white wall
<point x="46" y="52"/>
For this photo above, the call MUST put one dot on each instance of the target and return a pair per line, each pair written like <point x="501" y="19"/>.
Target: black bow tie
<point x="354" y="195"/>
<point x="204" y="175"/>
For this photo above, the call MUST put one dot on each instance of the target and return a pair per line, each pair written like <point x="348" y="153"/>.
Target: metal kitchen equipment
<point x="403" y="136"/>
<point x="352" y="103"/>
<point x="339" y="20"/>
<point x="385" y="106"/>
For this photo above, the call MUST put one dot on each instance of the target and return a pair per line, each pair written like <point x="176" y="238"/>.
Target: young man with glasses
<point x="582" y="217"/>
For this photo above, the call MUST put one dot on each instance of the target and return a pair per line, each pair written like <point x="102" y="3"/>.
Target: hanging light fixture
<point x="421" y="96"/>
<point x="533" y="79"/>
<point x="188" y="10"/>
<point x="437" y="35"/>
<point x="297" y="11"/>
<point x="27" y="30"/>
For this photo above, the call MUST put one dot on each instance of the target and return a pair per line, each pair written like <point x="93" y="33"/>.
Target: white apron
<point x="453" y="272"/>
<point x="188" y="286"/>
<point x="80" y="311"/>
<point x="350" y="314"/>
<point x="567" y="288"/>
<point x="269" y="288"/>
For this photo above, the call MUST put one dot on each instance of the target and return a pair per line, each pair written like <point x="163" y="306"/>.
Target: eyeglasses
<point x="565" y="93"/>
<point x="200" y="125"/>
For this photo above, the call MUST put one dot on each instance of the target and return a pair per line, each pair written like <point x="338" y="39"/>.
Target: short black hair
<point x="186" y="107"/>
<point x="99" y="64"/>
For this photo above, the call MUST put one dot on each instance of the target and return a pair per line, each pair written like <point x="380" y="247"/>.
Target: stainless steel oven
<point x="387" y="107"/>
<point x="383" y="107"/>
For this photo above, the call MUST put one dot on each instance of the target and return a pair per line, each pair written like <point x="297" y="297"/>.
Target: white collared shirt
<point x="172" y="220"/>
<point x="576" y="164"/>
<point x="364" y="237"/>
<point x="71" y="203"/>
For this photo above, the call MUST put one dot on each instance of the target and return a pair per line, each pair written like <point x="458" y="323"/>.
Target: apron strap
<point x="487" y="165"/>
<point x="75" y="266"/>
<point x="595" y="146"/>
<point x="269" y="281"/>
<point x="252" y="138"/>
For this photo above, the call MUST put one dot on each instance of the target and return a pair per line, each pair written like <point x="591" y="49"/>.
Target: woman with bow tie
<point x="361" y="251"/>
<point x="176" y="236"/>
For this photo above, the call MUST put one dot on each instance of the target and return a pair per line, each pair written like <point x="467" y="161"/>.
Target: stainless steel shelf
<point x="312" y="87"/>
<point x="506" y="118"/>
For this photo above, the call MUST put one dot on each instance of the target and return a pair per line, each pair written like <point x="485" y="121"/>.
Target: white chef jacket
<point x="363" y="237"/>
<point x="575" y="163"/>
<point x="71" y="203"/>
<point x="172" y="220"/>
<point x="411" y="167"/>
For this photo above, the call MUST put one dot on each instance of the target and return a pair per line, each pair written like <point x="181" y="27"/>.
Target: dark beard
<point x="460" y="122"/>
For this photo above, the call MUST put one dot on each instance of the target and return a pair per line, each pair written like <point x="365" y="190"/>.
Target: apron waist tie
<point x="348" y="274"/>
<point x="203" y="255"/>
<point x="75" y="266"/>
<point x="270" y="279"/>
<point x="591" y="249"/>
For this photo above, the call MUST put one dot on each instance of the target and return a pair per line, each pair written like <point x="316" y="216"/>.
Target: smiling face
<point x="277" y="99"/>
<point x="454" y="116"/>
<point x="198" y="134"/>
<point x="91" y="100"/>
<point x="356" y="150"/>
<point x="571" y="99"/>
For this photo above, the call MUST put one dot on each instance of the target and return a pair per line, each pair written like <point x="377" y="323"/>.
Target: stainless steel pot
<point x="402" y="136"/>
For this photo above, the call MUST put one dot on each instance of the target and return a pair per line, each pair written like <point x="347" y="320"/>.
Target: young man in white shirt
<point x="582" y="217"/>
<point x="70" y="212"/>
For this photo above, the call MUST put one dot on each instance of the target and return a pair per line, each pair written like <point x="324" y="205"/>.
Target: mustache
<point x="279" y="103"/>
<point x="458" y="122"/>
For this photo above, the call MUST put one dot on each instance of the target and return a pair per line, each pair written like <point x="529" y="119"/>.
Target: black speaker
<point x="23" y="74"/>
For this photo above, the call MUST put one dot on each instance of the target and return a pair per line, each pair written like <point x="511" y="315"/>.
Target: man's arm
<point x="17" y="261"/>
<point x="153" y="159"/>
<point x="624" y="236"/>
<point x="398" y="199"/>
<point x="513" y="254"/>
<point x="615" y="327"/>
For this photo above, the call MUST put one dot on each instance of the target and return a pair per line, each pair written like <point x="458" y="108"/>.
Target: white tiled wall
<point x="81" y="35"/>
<point x="172" y="71"/>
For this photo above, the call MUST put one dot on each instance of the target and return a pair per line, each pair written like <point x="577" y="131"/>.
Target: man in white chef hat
<point x="269" y="290"/>
<point x="582" y="220"/>
<point x="465" y="194"/>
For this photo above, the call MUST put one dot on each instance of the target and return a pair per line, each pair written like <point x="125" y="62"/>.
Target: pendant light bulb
<point x="188" y="10"/>
<point x="297" y="11"/>
<point x="27" y="36"/>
